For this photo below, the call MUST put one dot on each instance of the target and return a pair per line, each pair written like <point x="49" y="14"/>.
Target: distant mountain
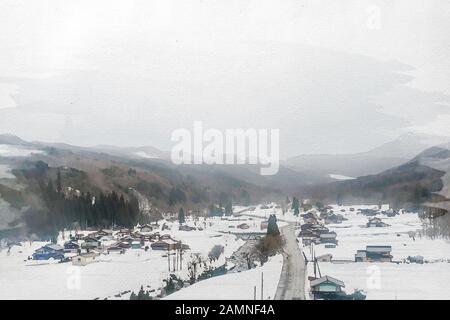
<point x="144" y="152"/>
<point x="423" y="181"/>
<point x="374" y="161"/>
<point x="12" y="140"/>
<point x="26" y="169"/>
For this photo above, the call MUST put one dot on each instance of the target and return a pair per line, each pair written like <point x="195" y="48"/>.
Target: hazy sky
<point x="333" y="76"/>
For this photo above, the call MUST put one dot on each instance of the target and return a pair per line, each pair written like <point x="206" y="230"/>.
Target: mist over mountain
<point x="417" y="176"/>
<point x="376" y="160"/>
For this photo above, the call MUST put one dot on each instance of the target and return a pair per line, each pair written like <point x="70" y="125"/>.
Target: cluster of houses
<point x="374" y="212"/>
<point x="312" y="231"/>
<point x="85" y="249"/>
<point x="329" y="217"/>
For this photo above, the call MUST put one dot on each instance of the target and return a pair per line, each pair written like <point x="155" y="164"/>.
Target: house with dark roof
<point x="329" y="237"/>
<point x="49" y="251"/>
<point x="374" y="253"/>
<point x="376" y="222"/>
<point x="326" y="285"/>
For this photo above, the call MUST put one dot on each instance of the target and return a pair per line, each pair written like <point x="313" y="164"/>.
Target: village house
<point x="369" y="212"/>
<point x="123" y="232"/>
<point x="90" y="243"/>
<point x="101" y="233"/>
<point x="185" y="227"/>
<point x="136" y="245"/>
<point x="334" y="218"/>
<point x="415" y="259"/>
<point x="325" y="286"/>
<point x="119" y="246"/>
<point x="329" y="237"/>
<point x="319" y="229"/>
<point x="49" y="251"/>
<point x="71" y="246"/>
<point x="325" y="257"/>
<point x="374" y="253"/>
<point x="76" y="237"/>
<point x="146" y="228"/>
<point x="84" y="259"/>
<point x="376" y="222"/>
<point x="167" y="244"/>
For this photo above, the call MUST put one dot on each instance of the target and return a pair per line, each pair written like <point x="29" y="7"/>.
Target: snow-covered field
<point x="114" y="273"/>
<point x="264" y="211"/>
<point x="386" y="280"/>
<point x="239" y="285"/>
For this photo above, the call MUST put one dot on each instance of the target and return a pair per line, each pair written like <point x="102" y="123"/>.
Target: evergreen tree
<point x="59" y="187"/>
<point x="272" y="227"/>
<point x="229" y="208"/>
<point x="295" y="205"/>
<point x="181" y="217"/>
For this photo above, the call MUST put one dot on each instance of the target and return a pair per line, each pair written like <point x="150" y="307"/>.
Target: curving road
<point x="292" y="280"/>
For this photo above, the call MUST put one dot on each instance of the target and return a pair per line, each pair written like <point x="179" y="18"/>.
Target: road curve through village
<point x="291" y="285"/>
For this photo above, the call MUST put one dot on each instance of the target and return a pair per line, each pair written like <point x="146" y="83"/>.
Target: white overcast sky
<point x="333" y="76"/>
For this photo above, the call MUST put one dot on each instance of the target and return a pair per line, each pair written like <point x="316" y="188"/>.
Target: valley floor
<point x="115" y="274"/>
<point x="385" y="280"/>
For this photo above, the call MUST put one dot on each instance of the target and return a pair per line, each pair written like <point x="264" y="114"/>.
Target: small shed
<point x="136" y="245"/>
<point x="243" y="226"/>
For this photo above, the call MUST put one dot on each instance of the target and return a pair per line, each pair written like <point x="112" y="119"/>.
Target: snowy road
<point x="292" y="280"/>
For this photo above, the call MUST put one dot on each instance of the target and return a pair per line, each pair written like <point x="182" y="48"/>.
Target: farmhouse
<point x="376" y="222"/>
<point x="84" y="259"/>
<point x="120" y="246"/>
<point x="326" y="285"/>
<point x="49" y="251"/>
<point x="165" y="245"/>
<point x="90" y="243"/>
<point x="329" y="237"/>
<point x="71" y="246"/>
<point x="374" y="253"/>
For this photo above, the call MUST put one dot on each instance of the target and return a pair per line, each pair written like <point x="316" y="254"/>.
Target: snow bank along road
<point x="292" y="279"/>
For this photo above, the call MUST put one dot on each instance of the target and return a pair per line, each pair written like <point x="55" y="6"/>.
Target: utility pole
<point x="262" y="285"/>
<point x="168" y="259"/>
<point x="174" y="265"/>
<point x="254" y="293"/>
<point x="181" y="255"/>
